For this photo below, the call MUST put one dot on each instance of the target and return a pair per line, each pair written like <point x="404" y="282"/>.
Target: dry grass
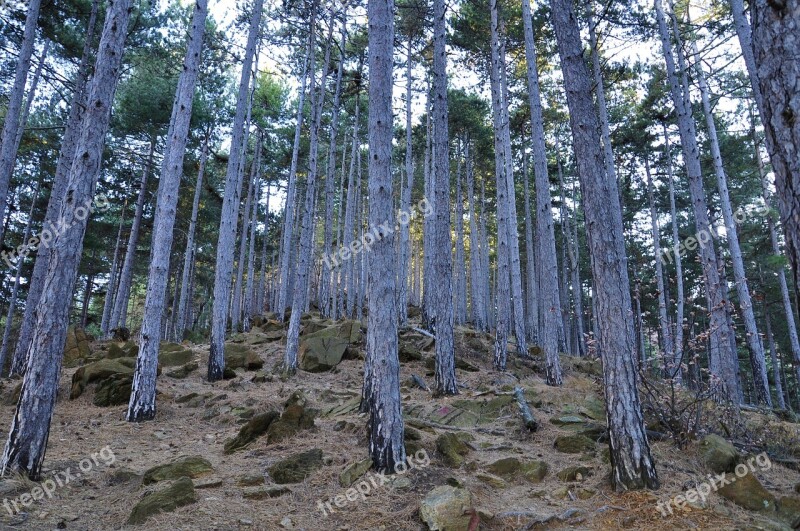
<point x="93" y="502"/>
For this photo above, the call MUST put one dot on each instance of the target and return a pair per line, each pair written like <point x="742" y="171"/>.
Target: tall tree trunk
<point x="113" y="275"/>
<point x="671" y="363"/>
<point x="291" y="185"/>
<point x="327" y="286"/>
<point x="230" y="206"/>
<point x="65" y="155"/>
<point x="531" y="287"/>
<point x="460" y="266"/>
<point x="261" y="290"/>
<point x="677" y="344"/>
<point x="757" y="360"/>
<point x="721" y="358"/>
<point x="350" y="215"/>
<point x="503" y="273"/>
<point x="776" y="57"/>
<point x="477" y="304"/>
<point x="306" y="244"/>
<point x="12" y="300"/>
<point x="549" y="297"/>
<point x="442" y="289"/>
<point x="13" y="121"/>
<point x="599" y="90"/>
<point x="381" y="390"/>
<point x="142" y="405"/>
<point x="405" y="196"/>
<point x="631" y="463"/>
<point x="428" y="309"/>
<point x="239" y="291"/>
<point x="30" y="427"/>
<point x="122" y="298"/>
<point x="188" y="254"/>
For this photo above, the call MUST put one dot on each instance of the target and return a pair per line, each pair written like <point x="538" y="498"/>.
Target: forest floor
<point x="103" y="496"/>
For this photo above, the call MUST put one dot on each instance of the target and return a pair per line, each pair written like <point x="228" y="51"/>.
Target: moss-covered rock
<point x="510" y="467"/>
<point x="186" y="466"/>
<point x="452" y="449"/>
<point x="178" y="494"/>
<point x="749" y="493"/>
<point x="573" y="444"/>
<point x="789" y="511"/>
<point x="320" y="353"/>
<point x="241" y="357"/>
<point x="113" y="391"/>
<point x="183" y="371"/>
<point x="77" y="346"/>
<point x="353" y="471"/>
<point x="296" y="468"/>
<point x="99" y="370"/>
<point x="573" y="473"/>
<point x="718" y="454"/>
<point x="446" y="508"/>
<point x="173" y="355"/>
<point x="255" y="427"/>
<point x="295" y="417"/>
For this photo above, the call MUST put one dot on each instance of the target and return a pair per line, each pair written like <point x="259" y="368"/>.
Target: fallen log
<point x="524" y="410"/>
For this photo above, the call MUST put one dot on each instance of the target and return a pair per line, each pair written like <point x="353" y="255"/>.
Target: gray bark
<point x="65" y="155"/>
<point x="441" y="288"/>
<point x="721" y="358"/>
<point x="677" y="344"/>
<point x="631" y="462"/>
<point x="757" y="361"/>
<point x="381" y="391"/>
<point x="237" y="302"/>
<point x="13" y="121"/>
<point x="30" y="427"/>
<point x="459" y="266"/>
<point x="775" y="26"/>
<point x="349" y="284"/>
<point x="230" y="206"/>
<point x="120" y="312"/>
<point x="531" y="287"/>
<point x="188" y="254"/>
<point x="261" y="290"/>
<point x="108" y="304"/>
<point x="142" y="405"/>
<point x="549" y="297"/>
<point x="477" y="278"/>
<point x="405" y="197"/>
<point x="12" y="300"/>
<point x="291" y="185"/>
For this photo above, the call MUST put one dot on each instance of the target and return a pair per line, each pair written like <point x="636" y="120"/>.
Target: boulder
<point x="178" y="494"/>
<point x="295" y="417"/>
<point x="718" y="454"/>
<point x="183" y="371"/>
<point x="447" y="508"/>
<point x="573" y="444"/>
<point x="348" y="330"/>
<point x="452" y="449"/>
<point x="116" y="351"/>
<point x="319" y="354"/>
<point x="573" y="473"/>
<point x="113" y="391"/>
<point x="296" y="468"/>
<point x="255" y="427"/>
<point x="264" y="493"/>
<point x="241" y="357"/>
<point x="353" y="471"/>
<point x="186" y="466"/>
<point x="749" y="493"/>
<point x="789" y="511"/>
<point x="510" y="467"/>
<point x="99" y="370"/>
<point x="77" y="347"/>
<point x="173" y="355"/>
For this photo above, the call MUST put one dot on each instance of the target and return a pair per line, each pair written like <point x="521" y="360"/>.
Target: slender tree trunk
<point x="113" y="275"/>
<point x="66" y="154"/>
<point x="30" y="427"/>
<point x="599" y="90"/>
<point x="477" y="304"/>
<point x="327" y="286"/>
<point x="188" y="255"/>
<point x="261" y="290"/>
<point x="381" y="391"/>
<point x="503" y="273"/>
<point x="350" y="215"/>
<point x="549" y="297"/>
<point x="721" y="358"/>
<point x="757" y="359"/>
<point x="631" y="463"/>
<point x="87" y="297"/>
<point x="671" y="363"/>
<point x="460" y="267"/>
<point x="122" y="298"/>
<point x="531" y="287"/>
<point x="142" y="405"/>
<point x="306" y="245"/>
<point x="677" y="345"/>
<point x="12" y="301"/>
<point x="237" y="307"/>
<point x="13" y="120"/>
<point x="405" y="196"/>
<point x="442" y="289"/>
<point x="230" y="206"/>
<point x="428" y="309"/>
<point x="291" y="186"/>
